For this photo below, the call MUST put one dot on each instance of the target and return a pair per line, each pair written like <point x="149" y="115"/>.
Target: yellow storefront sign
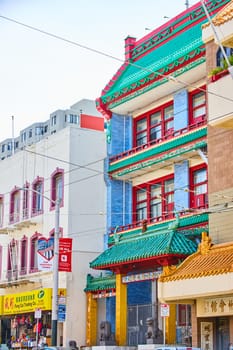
<point x="27" y="301"/>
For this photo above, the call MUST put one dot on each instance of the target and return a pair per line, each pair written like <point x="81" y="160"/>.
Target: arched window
<point x="26" y="201"/>
<point x="1" y="210"/>
<point x="37" y="196"/>
<point x="14" y="205"/>
<point x="23" y="255"/>
<point x="57" y="187"/>
<point x="12" y="263"/>
<point x="33" y="252"/>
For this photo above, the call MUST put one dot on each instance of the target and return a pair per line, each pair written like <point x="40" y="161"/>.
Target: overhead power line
<point x="99" y="52"/>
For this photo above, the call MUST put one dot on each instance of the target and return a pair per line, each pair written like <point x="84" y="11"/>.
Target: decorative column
<point x="171" y="325"/>
<point x="91" y="324"/>
<point x="121" y="311"/>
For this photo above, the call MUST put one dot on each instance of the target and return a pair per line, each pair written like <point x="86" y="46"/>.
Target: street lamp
<point x="55" y="264"/>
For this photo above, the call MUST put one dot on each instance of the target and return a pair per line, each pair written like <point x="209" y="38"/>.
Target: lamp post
<point x="55" y="274"/>
<point x="55" y="264"/>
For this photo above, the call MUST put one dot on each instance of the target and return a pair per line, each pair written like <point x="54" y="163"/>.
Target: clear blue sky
<point x="39" y="74"/>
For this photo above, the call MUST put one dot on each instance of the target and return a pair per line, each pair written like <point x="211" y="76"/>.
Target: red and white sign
<point x="65" y="254"/>
<point x="165" y="310"/>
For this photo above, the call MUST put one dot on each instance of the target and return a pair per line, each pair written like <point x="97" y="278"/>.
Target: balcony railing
<point x="172" y="134"/>
<point x="163" y="218"/>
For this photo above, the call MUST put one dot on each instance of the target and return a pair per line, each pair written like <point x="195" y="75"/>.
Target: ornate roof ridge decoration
<point x="223" y="16"/>
<point x="209" y="260"/>
<point x="163" y="33"/>
<point x="136" y="51"/>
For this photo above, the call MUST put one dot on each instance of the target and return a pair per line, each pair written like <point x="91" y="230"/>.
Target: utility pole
<point x="55" y="274"/>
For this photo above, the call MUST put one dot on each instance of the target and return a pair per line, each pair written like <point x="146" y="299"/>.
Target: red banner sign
<point x="65" y="254"/>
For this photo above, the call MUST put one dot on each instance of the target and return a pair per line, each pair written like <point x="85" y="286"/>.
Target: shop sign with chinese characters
<point x="221" y="306"/>
<point x="27" y="301"/>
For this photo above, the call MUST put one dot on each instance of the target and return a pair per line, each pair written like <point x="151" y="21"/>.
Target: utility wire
<point x="72" y="42"/>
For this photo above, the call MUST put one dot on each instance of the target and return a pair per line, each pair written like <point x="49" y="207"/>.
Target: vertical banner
<point x="45" y="253"/>
<point x="65" y="254"/>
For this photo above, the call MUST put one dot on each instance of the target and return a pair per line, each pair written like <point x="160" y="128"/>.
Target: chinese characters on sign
<point x="218" y="306"/>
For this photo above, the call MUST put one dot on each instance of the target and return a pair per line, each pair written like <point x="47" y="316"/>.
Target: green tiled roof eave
<point x="160" y="57"/>
<point x="167" y="156"/>
<point x="164" y="147"/>
<point x="95" y="284"/>
<point x="146" y="246"/>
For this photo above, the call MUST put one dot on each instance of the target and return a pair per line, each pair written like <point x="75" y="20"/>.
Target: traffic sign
<point x="165" y="310"/>
<point x="37" y="313"/>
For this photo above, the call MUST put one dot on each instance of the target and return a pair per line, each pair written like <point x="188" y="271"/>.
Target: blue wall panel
<point x="181" y="182"/>
<point x="180" y="110"/>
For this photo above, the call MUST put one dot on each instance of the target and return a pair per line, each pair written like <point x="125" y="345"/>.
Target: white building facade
<point x="65" y="163"/>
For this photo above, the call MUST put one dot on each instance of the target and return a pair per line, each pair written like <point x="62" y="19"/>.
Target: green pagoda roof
<point x="166" y="50"/>
<point x="152" y="248"/>
<point x="95" y="284"/>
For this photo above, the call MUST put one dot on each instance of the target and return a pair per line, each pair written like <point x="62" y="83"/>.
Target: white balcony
<point x="220" y="102"/>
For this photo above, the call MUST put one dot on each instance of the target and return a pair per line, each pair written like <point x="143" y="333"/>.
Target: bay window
<point x="199" y="197"/>
<point x="154" y="125"/>
<point x="154" y="201"/>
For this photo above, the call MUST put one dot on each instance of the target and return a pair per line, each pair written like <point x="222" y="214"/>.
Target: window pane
<point x="155" y="118"/>
<point x="141" y="125"/>
<point x="155" y="133"/>
<point x="200" y="176"/>
<point x="141" y="138"/>
<point x="156" y="190"/>
<point x="59" y="187"/>
<point x="199" y="112"/>
<point x="168" y="112"/>
<point x="156" y="208"/>
<point x="200" y="189"/>
<point x="141" y="195"/>
<point x="169" y="186"/>
<point x="199" y="99"/>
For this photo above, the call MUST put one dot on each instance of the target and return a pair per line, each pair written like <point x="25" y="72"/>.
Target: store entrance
<point x="5" y="330"/>
<point x="222" y="333"/>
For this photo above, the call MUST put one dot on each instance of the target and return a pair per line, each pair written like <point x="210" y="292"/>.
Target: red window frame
<point x="57" y="174"/>
<point x="26" y="201"/>
<point x="198" y="190"/>
<point x="33" y="252"/>
<point x="164" y="201"/>
<point x="14" y="214"/>
<point x="12" y="271"/>
<point x="1" y="210"/>
<point x="37" y="202"/>
<point x="23" y="255"/>
<point x="202" y="116"/>
<point x="163" y="127"/>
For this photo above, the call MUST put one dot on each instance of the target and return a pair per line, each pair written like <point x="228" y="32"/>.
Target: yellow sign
<point x="27" y="301"/>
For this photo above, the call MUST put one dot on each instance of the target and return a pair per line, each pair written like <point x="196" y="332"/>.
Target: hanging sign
<point x="45" y="253"/>
<point x="65" y="254"/>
